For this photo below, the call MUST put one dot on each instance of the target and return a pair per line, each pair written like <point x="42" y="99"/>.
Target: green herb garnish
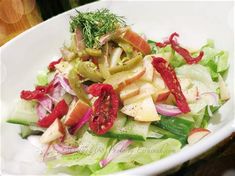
<point x="96" y="24"/>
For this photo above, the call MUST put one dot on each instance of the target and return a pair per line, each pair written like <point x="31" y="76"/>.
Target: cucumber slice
<point x="127" y="128"/>
<point x="119" y="123"/>
<point x="178" y="126"/>
<point x="24" y="113"/>
<point x="198" y="118"/>
<point x="136" y="130"/>
<point x="26" y="131"/>
<point x="159" y="133"/>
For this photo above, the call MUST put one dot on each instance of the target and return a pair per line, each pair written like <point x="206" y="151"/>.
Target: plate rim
<point x="162" y="164"/>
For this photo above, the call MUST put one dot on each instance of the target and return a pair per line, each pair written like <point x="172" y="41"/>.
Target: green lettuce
<point x="149" y="151"/>
<point x="42" y="78"/>
<point x="92" y="151"/>
<point x="215" y="60"/>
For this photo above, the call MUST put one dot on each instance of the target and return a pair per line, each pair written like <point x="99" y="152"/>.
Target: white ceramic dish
<point x="22" y="57"/>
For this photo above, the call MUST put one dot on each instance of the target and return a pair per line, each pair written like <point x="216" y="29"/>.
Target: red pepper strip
<point x="59" y="111"/>
<point x="38" y="93"/>
<point x="51" y="66"/>
<point x="162" y="45"/>
<point x="105" y="108"/>
<point x="168" y="75"/>
<point x="183" y="52"/>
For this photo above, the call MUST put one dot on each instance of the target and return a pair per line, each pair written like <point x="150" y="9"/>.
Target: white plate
<point x="31" y="51"/>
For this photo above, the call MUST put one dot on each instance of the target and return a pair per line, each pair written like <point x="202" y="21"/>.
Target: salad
<point x="116" y="100"/>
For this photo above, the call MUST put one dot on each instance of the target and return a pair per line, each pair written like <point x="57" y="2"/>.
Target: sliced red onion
<point x="68" y="55"/>
<point x="64" y="149"/>
<point x="79" y="40"/>
<point x="81" y="122"/>
<point x="46" y="152"/>
<point x="168" y="110"/>
<point x="64" y="83"/>
<point x="41" y="112"/>
<point x="47" y="104"/>
<point x="120" y="147"/>
<point x="57" y="93"/>
<point x="212" y="97"/>
<point x="105" y="38"/>
<point x="44" y="106"/>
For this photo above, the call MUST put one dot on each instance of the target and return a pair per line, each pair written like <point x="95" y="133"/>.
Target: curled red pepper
<point x="105" y="108"/>
<point x="183" y="52"/>
<point x="59" y="111"/>
<point x="180" y="50"/>
<point x="169" y="76"/>
<point x="37" y="94"/>
<point x="162" y="45"/>
<point x="51" y="66"/>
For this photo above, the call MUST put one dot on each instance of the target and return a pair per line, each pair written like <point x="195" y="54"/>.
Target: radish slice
<point x="64" y="83"/>
<point x="120" y="147"/>
<point x="197" y="134"/>
<point x="81" y="122"/>
<point x="168" y="110"/>
<point x="212" y="98"/>
<point x="64" y="149"/>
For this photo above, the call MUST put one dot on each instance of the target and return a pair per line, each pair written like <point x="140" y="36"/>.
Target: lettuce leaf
<point x="92" y="151"/>
<point x="73" y="170"/>
<point x="114" y="167"/>
<point x="215" y="60"/>
<point x="194" y="73"/>
<point x="198" y="118"/>
<point x="42" y="78"/>
<point x="149" y="151"/>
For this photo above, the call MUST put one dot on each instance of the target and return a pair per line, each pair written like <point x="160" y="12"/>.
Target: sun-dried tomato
<point x="183" y="52"/>
<point x="169" y="76"/>
<point x="51" y="66"/>
<point x="37" y="94"/>
<point x="162" y="45"/>
<point x="180" y="50"/>
<point x="59" y="111"/>
<point x="105" y="108"/>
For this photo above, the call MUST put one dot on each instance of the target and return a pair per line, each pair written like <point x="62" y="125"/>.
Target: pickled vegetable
<point x="93" y="52"/>
<point x="127" y="48"/>
<point x="126" y="66"/>
<point x="89" y="70"/>
<point x="77" y="86"/>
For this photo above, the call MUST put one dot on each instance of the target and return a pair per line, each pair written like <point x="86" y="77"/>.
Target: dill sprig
<point x="96" y="24"/>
